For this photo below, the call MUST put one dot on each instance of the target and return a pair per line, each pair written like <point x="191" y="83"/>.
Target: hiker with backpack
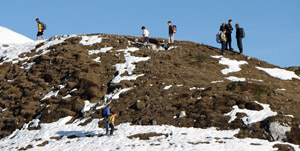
<point x="145" y="34"/>
<point x="240" y="34"/>
<point x="106" y="114"/>
<point x="223" y="26"/>
<point x="41" y="28"/>
<point x="223" y="41"/>
<point x="229" y="29"/>
<point x="172" y="31"/>
<point x="111" y="123"/>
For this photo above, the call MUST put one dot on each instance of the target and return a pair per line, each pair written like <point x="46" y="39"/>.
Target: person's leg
<point x="223" y="47"/>
<point x="172" y="38"/>
<point x="112" y="128"/>
<point x="43" y="37"/>
<point x="106" y="125"/>
<point x="226" y="43"/>
<point x="240" y="44"/>
<point x="37" y="36"/>
<point x="229" y="41"/>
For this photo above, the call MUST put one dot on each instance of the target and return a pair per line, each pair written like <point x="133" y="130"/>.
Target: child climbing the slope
<point x="111" y="122"/>
<point x="145" y="35"/>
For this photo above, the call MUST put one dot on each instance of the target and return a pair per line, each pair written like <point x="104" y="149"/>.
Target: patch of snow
<point x="278" y="130"/>
<point x="257" y="80"/>
<point x="90" y="40"/>
<point x="73" y="90"/>
<point x="61" y="86"/>
<point x="97" y="59"/>
<point x="128" y="66"/>
<point x="50" y="94"/>
<point x="172" y="47"/>
<point x="4" y="109"/>
<point x="91" y="137"/>
<point x="102" y="50"/>
<point x="8" y="36"/>
<point x="11" y="54"/>
<point x="282" y="89"/>
<point x="11" y="80"/>
<point x="253" y="116"/>
<point x="235" y="79"/>
<point x="291" y="116"/>
<point x="29" y="65"/>
<point x="195" y="88"/>
<point x="220" y="81"/>
<point x="167" y="87"/>
<point x="281" y="74"/>
<point x="67" y="96"/>
<point x="179" y="85"/>
<point x="87" y="106"/>
<point x="233" y="65"/>
<point x="217" y="57"/>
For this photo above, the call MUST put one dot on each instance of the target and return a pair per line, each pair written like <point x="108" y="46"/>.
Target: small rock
<point x="278" y="131"/>
<point x="153" y="122"/>
<point x="182" y="114"/>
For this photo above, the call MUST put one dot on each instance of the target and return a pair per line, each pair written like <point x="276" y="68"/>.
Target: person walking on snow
<point x="229" y="29"/>
<point x="111" y="122"/>
<point x="145" y="34"/>
<point x="239" y="36"/>
<point x="171" y="33"/>
<point x="40" y="29"/>
<point x="223" y="41"/>
<point x="106" y="116"/>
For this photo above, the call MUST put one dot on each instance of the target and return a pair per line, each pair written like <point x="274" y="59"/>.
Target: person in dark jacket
<point x="228" y="34"/>
<point x="171" y="33"/>
<point x="107" y="114"/>
<point x="239" y="37"/>
<point x="223" y="26"/>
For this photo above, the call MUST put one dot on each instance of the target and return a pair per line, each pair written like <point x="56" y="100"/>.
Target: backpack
<point x="174" y="28"/>
<point x="104" y="112"/>
<point x="218" y="37"/>
<point x="44" y="26"/>
<point x="243" y="33"/>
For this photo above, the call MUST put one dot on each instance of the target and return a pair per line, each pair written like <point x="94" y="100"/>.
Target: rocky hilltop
<point x="185" y="85"/>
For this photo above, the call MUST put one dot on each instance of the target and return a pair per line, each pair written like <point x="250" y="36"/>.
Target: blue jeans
<point x="240" y="44"/>
<point x="223" y="43"/>
<point x="106" y="125"/>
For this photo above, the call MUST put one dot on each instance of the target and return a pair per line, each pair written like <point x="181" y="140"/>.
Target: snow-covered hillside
<point x="51" y="81"/>
<point x="8" y="36"/>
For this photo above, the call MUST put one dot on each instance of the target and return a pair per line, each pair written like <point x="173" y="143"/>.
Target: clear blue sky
<point x="272" y="27"/>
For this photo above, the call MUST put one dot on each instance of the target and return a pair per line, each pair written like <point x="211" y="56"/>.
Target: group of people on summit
<point x="225" y="37"/>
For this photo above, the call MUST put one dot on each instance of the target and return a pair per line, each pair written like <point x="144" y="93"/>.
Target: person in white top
<point x="145" y="34"/>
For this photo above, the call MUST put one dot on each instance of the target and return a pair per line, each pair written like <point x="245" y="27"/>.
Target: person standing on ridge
<point x="145" y="35"/>
<point x="111" y="122"/>
<point x="223" y="41"/>
<point x="229" y="29"/>
<point x="222" y="26"/>
<point x="239" y="35"/>
<point x="40" y="29"/>
<point x="171" y="33"/>
<point x="106" y="114"/>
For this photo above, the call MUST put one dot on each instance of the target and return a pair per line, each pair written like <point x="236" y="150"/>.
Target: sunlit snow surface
<point x="280" y="73"/>
<point x="90" y="40"/>
<point x="253" y="116"/>
<point x="91" y="137"/>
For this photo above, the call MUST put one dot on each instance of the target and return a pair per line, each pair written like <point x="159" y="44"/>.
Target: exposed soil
<point x="189" y="65"/>
<point x="146" y="136"/>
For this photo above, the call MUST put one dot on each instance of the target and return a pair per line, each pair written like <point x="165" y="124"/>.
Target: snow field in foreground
<point x="91" y="137"/>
